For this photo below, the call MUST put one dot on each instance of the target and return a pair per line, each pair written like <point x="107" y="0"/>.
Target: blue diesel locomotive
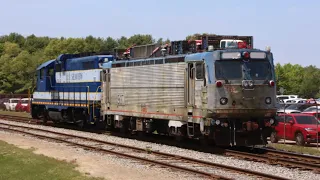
<point x="68" y="88"/>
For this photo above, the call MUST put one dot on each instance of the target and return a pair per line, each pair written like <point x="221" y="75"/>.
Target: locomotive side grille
<point x="157" y="85"/>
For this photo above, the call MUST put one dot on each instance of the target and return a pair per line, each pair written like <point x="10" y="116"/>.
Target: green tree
<point x="11" y="49"/>
<point x="109" y="44"/>
<point x="289" y="77"/>
<point x="15" y="38"/>
<point x="311" y="82"/>
<point x="33" y="43"/>
<point x="139" y="39"/>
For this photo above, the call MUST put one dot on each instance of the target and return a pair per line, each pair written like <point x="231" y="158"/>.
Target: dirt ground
<point x="89" y="163"/>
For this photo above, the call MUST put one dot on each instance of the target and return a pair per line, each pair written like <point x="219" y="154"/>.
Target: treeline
<point x="295" y="79"/>
<point x="20" y="56"/>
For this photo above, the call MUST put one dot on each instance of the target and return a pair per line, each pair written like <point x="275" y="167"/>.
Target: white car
<point x="295" y="100"/>
<point x="25" y="101"/>
<point x="294" y="108"/>
<point x="11" y="105"/>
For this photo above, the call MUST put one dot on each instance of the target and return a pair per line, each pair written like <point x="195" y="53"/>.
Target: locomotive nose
<point x="248" y="97"/>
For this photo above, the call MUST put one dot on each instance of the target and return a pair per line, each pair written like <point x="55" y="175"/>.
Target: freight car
<point x="216" y="88"/>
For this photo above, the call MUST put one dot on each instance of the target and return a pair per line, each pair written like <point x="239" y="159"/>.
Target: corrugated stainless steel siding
<point x="155" y="85"/>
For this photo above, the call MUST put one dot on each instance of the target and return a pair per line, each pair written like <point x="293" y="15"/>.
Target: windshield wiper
<point x="246" y="72"/>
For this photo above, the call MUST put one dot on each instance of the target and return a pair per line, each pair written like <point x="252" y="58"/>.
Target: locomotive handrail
<point x="95" y="97"/>
<point x="88" y="101"/>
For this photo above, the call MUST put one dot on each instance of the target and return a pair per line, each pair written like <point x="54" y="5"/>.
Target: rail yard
<point x="217" y="93"/>
<point x="159" y="90"/>
<point x="175" y="160"/>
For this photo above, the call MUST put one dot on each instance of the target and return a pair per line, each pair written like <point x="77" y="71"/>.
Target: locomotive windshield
<point x="235" y="69"/>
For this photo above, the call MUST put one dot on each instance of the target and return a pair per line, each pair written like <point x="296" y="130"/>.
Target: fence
<point x="13" y="96"/>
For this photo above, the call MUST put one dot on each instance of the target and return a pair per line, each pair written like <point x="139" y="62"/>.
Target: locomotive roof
<point x="88" y="58"/>
<point x="45" y="64"/>
<point x="152" y="58"/>
<point x="189" y="57"/>
<point x="239" y="50"/>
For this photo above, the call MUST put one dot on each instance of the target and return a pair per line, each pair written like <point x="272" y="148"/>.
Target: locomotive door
<point x="195" y="81"/>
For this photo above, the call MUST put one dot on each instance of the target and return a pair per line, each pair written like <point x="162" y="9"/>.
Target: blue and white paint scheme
<point x="69" y="83"/>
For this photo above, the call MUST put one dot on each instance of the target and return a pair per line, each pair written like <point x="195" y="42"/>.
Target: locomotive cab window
<point x="58" y="67"/>
<point x="42" y="73"/>
<point x="51" y="72"/>
<point x="88" y="65"/>
<point x="223" y="44"/>
<point x="199" y="71"/>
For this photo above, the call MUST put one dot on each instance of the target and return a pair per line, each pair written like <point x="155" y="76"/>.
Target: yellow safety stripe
<point x="60" y="104"/>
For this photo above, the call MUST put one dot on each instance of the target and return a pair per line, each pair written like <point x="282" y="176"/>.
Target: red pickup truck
<point x="298" y="127"/>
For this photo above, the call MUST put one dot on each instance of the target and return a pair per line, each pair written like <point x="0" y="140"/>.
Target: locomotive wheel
<point x="34" y="113"/>
<point x="300" y="139"/>
<point x="82" y="124"/>
<point x="205" y="141"/>
<point x="45" y="117"/>
<point x="273" y="137"/>
<point x="179" y="138"/>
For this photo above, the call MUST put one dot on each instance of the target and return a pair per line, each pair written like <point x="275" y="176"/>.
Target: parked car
<point x="3" y="102"/>
<point x="11" y="105"/>
<point x="299" y="127"/>
<point x="293" y="101"/>
<point x="294" y="108"/>
<point x="283" y="97"/>
<point x="313" y="111"/>
<point x="23" y="105"/>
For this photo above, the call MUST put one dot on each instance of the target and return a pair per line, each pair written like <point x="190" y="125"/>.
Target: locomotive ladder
<point x="190" y="124"/>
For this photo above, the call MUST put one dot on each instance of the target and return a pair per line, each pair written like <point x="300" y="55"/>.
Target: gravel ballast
<point x="229" y="161"/>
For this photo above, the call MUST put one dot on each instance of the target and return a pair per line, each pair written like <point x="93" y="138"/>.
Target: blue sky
<point x="290" y="27"/>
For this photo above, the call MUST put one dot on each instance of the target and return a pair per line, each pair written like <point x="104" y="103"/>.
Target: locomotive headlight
<point x="271" y="121"/>
<point x="268" y="100"/>
<point x="223" y="101"/>
<point x="250" y="83"/>
<point x="245" y="83"/>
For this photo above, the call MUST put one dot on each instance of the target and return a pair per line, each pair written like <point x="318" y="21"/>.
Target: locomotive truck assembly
<point x="217" y="88"/>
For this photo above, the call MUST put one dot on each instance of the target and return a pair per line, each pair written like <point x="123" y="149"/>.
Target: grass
<point x="13" y="113"/>
<point x="295" y="148"/>
<point x="23" y="164"/>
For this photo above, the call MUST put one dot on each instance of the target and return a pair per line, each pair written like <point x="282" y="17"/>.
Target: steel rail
<point x="277" y="158"/>
<point x="167" y="155"/>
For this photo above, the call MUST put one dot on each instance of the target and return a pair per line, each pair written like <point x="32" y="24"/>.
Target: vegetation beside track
<point x="13" y="113"/>
<point x="19" y="163"/>
<point x="295" y="148"/>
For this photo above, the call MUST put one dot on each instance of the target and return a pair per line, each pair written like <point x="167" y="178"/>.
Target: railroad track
<point x="18" y="118"/>
<point x="269" y="156"/>
<point x="177" y="162"/>
<point x="276" y="157"/>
